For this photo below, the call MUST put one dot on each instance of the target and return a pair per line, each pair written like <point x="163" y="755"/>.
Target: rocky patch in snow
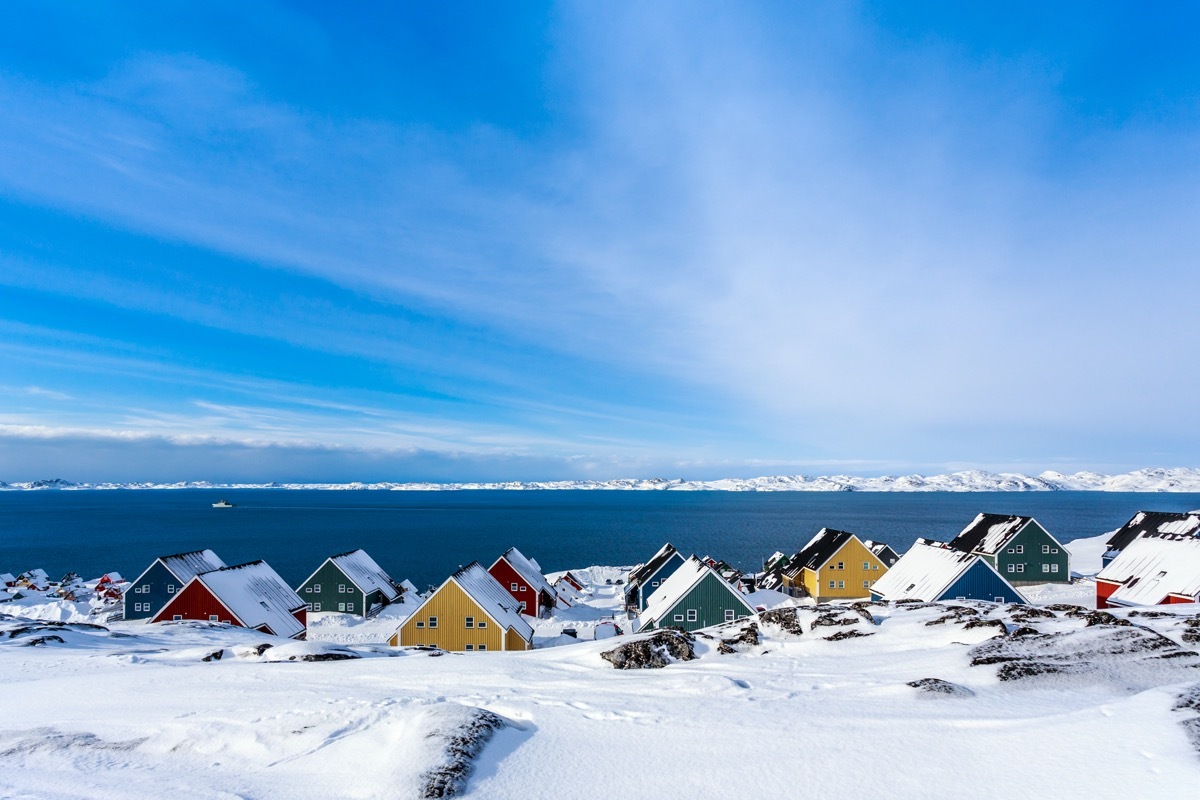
<point x="654" y="652"/>
<point x="461" y="746"/>
<point x="936" y="687"/>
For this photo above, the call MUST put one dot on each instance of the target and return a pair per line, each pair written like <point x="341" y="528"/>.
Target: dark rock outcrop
<point x="654" y="652"/>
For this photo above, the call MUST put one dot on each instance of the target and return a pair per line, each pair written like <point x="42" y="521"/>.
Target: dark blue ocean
<point x="424" y="536"/>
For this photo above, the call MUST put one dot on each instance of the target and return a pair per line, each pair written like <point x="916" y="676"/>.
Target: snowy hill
<point x="1175" y="479"/>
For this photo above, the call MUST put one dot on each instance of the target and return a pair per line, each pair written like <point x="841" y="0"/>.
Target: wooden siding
<point x="197" y="602"/>
<point x="513" y="641"/>
<point x="322" y="589"/>
<point x="980" y="583"/>
<point x="155" y="589"/>
<point x="506" y="576"/>
<point x="451" y="605"/>
<point x="1027" y="565"/>
<point x="709" y="599"/>
<point x="852" y="556"/>
<point x="1104" y="590"/>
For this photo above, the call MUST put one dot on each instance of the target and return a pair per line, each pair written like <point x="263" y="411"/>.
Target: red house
<point x="248" y="595"/>
<point x="523" y="579"/>
<point x="1153" y="569"/>
<point x="571" y="581"/>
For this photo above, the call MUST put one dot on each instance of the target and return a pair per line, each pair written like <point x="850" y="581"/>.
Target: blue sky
<point x="298" y="242"/>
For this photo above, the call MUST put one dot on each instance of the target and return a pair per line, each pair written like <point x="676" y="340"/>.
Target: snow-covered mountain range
<point x="1176" y="479"/>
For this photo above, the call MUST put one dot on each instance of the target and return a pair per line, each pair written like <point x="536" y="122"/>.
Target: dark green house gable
<point x="349" y="583"/>
<point x="1032" y="556"/>
<point x="710" y="601"/>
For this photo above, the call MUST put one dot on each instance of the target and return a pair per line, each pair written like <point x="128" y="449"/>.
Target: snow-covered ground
<point x="1173" y="479"/>
<point x="1058" y="705"/>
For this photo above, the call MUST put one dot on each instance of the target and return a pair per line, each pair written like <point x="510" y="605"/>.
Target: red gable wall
<point x="503" y="572"/>
<point x="195" y="601"/>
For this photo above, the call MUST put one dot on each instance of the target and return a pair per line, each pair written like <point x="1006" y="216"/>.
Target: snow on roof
<point x="1154" y="566"/>
<point x="409" y="587"/>
<point x="1155" y="522"/>
<point x="988" y="533"/>
<point x="366" y="573"/>
<point x="924" y="572"/>
<point x="185" y="566"/>
<point x="7" y="577"/>
<point x="257" y="596"/>
<point x="674" y="588"/>
<point x="820" y="548"/>
<point x="492" y="597"/>
<point x="643" y="571"/>
<point x="528" y="570"/>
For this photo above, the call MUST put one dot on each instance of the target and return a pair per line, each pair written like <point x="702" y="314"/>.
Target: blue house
<point x="163" y="579"/>
<point x="645" y="579"/>
<point x="932" y="571"/>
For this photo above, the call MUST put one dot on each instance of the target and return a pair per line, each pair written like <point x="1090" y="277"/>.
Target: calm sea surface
<point x="424" y="536"/>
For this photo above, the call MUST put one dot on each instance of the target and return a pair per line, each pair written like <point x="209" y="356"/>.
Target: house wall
<point x="1031" y="559"/>
<point x="1104" y="590"/>
<point x="506" y="576"/>
<point x="155" y="589"/>
<point x="1174" y="599"/>
<point x="451" y="605"/>
<point x="658" y="579"/>
<point x="980" y="583"/>
<point x="710" y="599"/>
<point x="513" y="641"/>
<point x="322" y="590"/>
<point x="859" y="566"/>
<point x="196" y="602"/>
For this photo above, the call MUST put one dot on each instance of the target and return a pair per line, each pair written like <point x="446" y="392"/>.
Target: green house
<point x="1017" y="547"/>
<point x="694" y="597"/>
<point x="349" y="583"/>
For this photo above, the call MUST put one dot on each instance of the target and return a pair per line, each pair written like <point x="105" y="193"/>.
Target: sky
<point x="454" y="242"/>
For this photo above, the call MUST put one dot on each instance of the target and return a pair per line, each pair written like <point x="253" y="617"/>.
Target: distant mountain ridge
<point x="1174" y="479"/>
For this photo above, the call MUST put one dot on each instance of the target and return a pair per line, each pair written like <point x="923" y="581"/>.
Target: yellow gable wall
<point x="451" y="605"/>
<point x="513" y="641"/>
<point x="852" y="555"/>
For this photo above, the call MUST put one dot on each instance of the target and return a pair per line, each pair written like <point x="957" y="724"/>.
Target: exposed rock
<point x="1104" y="618"/>
<point x="654" y="652"/>
<point x="40" y="640"/>
<point x="833" y="620"/>
<point x="987" y="623"/>
<point x="954" y="614"/>
<point x="852" y="633"/>
<point x="748" y="636"/>
<point x="339" y="655"/>
<point x="940" y="688"/>
<point x="215" y="655"/>
<point x="1069" y="608"/>
<point x="785" y="619"/>
<point x="462" y="746"/>
<point x="1150" y="614"/>
<point x="1025" y="630"/>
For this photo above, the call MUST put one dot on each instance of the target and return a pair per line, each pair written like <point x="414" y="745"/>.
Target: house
<point x="931" y="571"/>
<point x="37" y="580"/>
<point x="351" y="583"/>
<point x="250" y="595"/>
<point x="570" y="580"/>
<point x="834" y="565"/>
<point x="1146" y="522"/>
<point x="694" y="597"/>
<point x="1154" y="569"/>
<point x="469" y="612"/>
<point x="163" y="579"/>
<point x="1018" y="547"/>
<point x="7" y="580"/>
<point x="645" y="579"/>
<point x="522" y="577"/>
<point x="883" y="552"/>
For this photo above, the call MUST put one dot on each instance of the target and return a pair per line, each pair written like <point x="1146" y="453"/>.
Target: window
<point x="341" y="606"/>
<point x="1054" y="567"/>
<point x="679" y="617"/>
<point x="522" y="605"/>
<point x="317" y="588"/>
<point x="1020" y="567"/>
<point x="316" y="606"/>
<point x="171" y="589"/>
<point x="433" y="622"/>
<point x="212" y="617"/>
<point x="866" y="584"/>
<point x="1020" y="548"/>
<point x="482" y="623"/>
<point x="420" y="624"/>
<point x="524" y="587"/>
<point x="482" y="647"/>
<point x="875" y="567"/>
<point x="469" y="622"/>
<point x="866" y="565"/>
<point x="341" y="588"/>
<point x="998" y="599"/>
<point x="470" y="648"/>
<point x="691" y="615"/>
<point x="1054" y="550"/>
<point x="177" y="617"/>
<point x="832" y="584"/>
<point x="308" y="590"/>
<point x="512" y="587"/>
<point x="1012" y="567"/>
<point x="1045" y="548"/>
<point x="841" y="584"/>
<point x="308" y="607"/>
<point x="1011" y="550"/>
<point x="729" y="615"/>
<point x="841" y="565"/>
<point x="1045" y="567"/>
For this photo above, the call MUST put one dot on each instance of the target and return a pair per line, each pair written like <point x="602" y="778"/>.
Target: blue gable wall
<point x="981" y="583"/>
<point x="665" y="571"/>
<point x="151" y="591"/>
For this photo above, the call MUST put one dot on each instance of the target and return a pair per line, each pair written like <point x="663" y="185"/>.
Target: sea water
<point x="424" y="536"/>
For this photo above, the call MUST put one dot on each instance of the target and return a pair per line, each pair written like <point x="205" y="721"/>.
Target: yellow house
<point x="834" y="565"/>
<point x="470" y="612"/>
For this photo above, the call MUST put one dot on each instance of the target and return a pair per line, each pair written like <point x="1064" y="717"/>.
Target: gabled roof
<point x="366" y="574"/>
<point x="257" y="596"/>
<point x="642" y="573"/>
<point x="988" y="533"/>
<point x="819" y="549"/>
<point x="1153" y="566"/>
<point x="185" y="566"/>
<point x="489" y="595"/>
<point x="527" y="569"/>
<point x="927" y="570"/>
<point x="882" y="551"/>
<point x="7" y="577"/>
<point x="676" y="587"/>
<point x="1187" y="523"/>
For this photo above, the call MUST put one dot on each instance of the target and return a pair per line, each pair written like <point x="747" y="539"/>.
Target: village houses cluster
<point x="1153" y="559"/>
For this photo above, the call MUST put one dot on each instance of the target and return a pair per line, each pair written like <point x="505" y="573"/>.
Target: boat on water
<point x="223" y="504"/>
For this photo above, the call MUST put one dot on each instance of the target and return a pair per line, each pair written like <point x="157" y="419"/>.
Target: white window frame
<point x="214" y="618"/>
<point x="1054" y="567"/>
<point x="693" y="615"/>
<point x="433" y="622"/>
<point x="729" y="615"/>
<point x="1020" y="548"/>
<point x="316" y="606"/>
<point x="841" y="584"/>
<point x="678" y="618"/>
<point x="1045" y="568"/>
<point x="1020" y="567"/>
<point x="171" y="588"/>
<point x="481" y="624"/>
<point x="832" y="584"/>
<point x="420" y="624"/>
<point x="470" y="648"/>
<point x="481" y="647"/>
<point x="469" y="622"/>
<point x="341" y="588"/>
<point x="1011" y="568"/>
<point x="1046" y="548"/>
<point x="512" y="587"/>
<point x="177" y="618"/>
